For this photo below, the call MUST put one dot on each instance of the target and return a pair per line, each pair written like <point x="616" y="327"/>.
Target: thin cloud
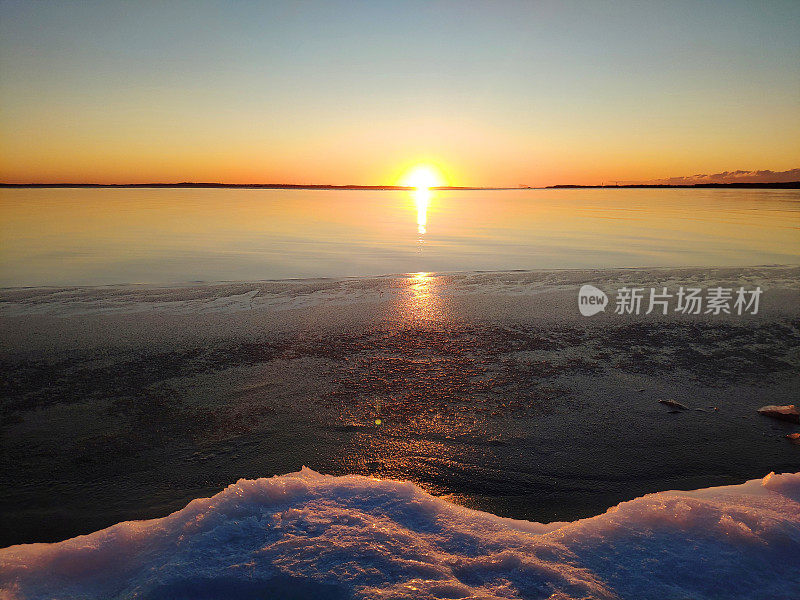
<point x="765" y="176"/>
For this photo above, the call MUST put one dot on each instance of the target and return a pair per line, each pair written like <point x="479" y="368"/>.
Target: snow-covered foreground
<point x="306" y="535"/>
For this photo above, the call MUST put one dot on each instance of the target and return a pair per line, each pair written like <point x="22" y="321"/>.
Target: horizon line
<point x="211" y="184"/>
<point x="303" y="186"/>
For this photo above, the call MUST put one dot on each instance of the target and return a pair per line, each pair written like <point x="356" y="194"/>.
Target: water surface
<point x="107" y="236"/>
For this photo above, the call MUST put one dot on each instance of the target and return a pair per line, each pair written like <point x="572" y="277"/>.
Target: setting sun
<point x="422" y="177"/>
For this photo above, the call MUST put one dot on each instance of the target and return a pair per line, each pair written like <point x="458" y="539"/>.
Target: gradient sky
<point x="496" y="93"/>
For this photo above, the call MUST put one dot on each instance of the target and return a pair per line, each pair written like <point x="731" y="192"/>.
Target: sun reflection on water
<point x="422" y="198"/>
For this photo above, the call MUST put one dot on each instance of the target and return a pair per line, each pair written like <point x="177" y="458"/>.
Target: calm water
<point x="106" y="236"/>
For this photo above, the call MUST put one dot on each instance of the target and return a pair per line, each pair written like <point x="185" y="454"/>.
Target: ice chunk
<point x="307" y="535"/>
<point x="785" y="413"/>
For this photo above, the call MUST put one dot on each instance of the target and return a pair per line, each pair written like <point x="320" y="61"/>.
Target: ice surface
<point x="234" y="297"/>
<point x="307" y="535"/>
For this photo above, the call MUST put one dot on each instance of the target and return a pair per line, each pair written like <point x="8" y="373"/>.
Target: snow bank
<point x="306" y="535"/>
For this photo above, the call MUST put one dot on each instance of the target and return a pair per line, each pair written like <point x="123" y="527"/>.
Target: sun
<point x="422" y="177"/>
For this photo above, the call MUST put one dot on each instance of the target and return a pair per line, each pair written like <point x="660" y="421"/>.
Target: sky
<point x="492" y="93"/>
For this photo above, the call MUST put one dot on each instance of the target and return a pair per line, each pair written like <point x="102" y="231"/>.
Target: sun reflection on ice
<point x="423" y="302"/>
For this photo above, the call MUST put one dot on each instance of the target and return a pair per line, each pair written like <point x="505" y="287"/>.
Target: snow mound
<point x="307" y="535"/>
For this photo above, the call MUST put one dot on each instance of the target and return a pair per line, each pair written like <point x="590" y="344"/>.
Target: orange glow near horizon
<point x="513" y="162"/>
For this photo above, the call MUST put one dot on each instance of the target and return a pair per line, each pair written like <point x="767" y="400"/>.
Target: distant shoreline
<point x="775" y="185"/>
<point x="292" y="186"/>
<point x="266" y="186"/>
